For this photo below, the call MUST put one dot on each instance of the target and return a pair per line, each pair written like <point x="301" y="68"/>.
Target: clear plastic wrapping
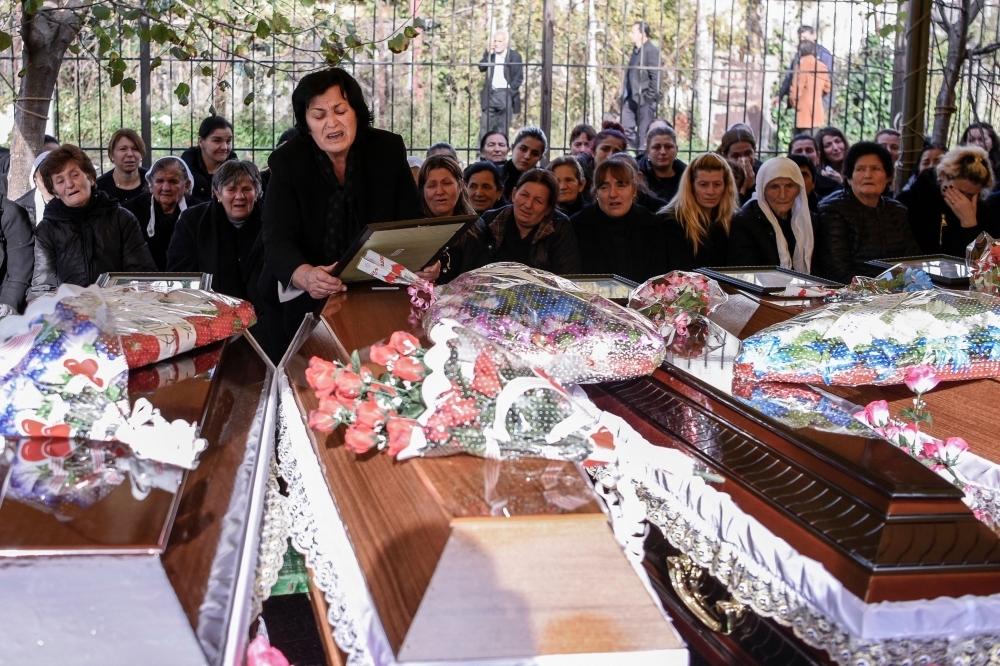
<point x="876" y="340"/>
<point x="982" y="258"/>
<point x="550" y="323"/>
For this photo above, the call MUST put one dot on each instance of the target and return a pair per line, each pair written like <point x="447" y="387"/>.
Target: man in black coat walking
<point x="642" y="86"/>
<point x="501" y="95"/>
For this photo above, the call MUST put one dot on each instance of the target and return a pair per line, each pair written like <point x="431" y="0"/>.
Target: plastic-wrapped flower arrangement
<point x="982" y="258"/>
<point x="464" y="395"/>
<point x="551" y="323"/>
<point x="894" y="280"/>
<point x="678" y="303"/>
<point x="877" y="340"/>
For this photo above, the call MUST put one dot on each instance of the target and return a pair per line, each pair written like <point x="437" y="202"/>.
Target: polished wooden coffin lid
<point x="400" y="516"/>
<point x="886" y="526"/>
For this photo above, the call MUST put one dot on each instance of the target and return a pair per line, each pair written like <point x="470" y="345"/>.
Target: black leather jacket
<point x="17" y="253"/>
<point x="851" y="233"/>
<point x="553" y="247"/>
<point x="76" y="245"/>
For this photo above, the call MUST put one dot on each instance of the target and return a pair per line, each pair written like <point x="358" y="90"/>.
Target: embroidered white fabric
<point x="275" y="529"/>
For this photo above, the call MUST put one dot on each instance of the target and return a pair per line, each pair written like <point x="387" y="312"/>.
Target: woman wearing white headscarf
<point x="170" y="193"/>
<point x="774" y="228"/>
<point x="35" y="199"/>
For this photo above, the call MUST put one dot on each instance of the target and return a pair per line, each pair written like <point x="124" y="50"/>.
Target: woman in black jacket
<point x="698" y="219"/>
<point x="17" y="256"/>
<point x="215" y="146"/>
<point x="858" y="224"/>
<point x="157" y="211"/>
<point x="947" y="205"/>
<point x="774" y="228"/>
<point x="615" y="234"/>
<point x="338" y="175"/>
<point x="529" y="146"/>
<point x="127" y="179"/>
<point x="84" y="232"/>
<point x="529" y="231"/>
<point x="572" y="184"/>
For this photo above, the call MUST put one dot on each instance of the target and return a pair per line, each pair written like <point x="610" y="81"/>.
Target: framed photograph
<point x="612" y="287"/>
<point x="766" y="280"/>
<point x="158" y="281"/>
<point x="412" y="243"/>
<point x="945" y="270"/>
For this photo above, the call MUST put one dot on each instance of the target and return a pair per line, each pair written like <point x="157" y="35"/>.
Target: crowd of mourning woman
<point x="274" y="236"/>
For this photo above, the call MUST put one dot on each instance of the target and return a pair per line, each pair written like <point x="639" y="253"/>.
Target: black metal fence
<point x="723" y="61"/>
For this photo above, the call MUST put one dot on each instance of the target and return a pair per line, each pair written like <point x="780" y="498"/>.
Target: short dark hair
<point x="802" y="137"/>
<point x="805" y="163"/>
<point x="889" y="131"/>
<point x="59" y="158"/>
<point x="807" y="48"/>
<point x="609" y="130"/>
<point x="643" y="26"/>
<point x="546" y="178"/>
<point x="234" y="171"/>
<point x="131" y="135"/>
<point x="212" y="123"/>
<point x="582" y="128"/>
<point x="482" y="142"/>
<point x="863" y="148"/>
<point x="443" y="145"/>
<point x="479" y="167"/>
<point x="315" y="84"/>
<point x="288" y="135"/>
<point x="806" y="28"/>
<point x="735" y="135"/>
<point x="532" y="132"/>
<point x="48" y="138"/>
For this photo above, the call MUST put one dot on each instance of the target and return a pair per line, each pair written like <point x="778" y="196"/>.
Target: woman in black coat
<point x="858" y="224"/>
<point x="84" y="232"/>
<point x="617" y="235"/>
<point x="17" y="256"/>
<point x="157" y="211"/>
<point x="215" y="146"/>
<point x="947" y="205"/>
<point x="774" y="228"/>
<point x="338" y="175"/>
<point x="529" y="231"/>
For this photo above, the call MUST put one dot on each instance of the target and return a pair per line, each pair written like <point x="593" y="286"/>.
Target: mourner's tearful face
<point x="581" y="144"/>
<point x="834" y="148"/>
<point x="72" y="185"/>
<point x="168" y="186"/>
<point x="806" y="148"/>
<point x="495" y="149"/>
<point x="570" y="187"/>
<point x="709" y="186"/>
<point x="531" y="205"/>
<point x="332" y="122"/>
<point x="126" y="155"/>
<point x="615" y="196"/>
<point x="781" y="194"/>
<point x="606" y="148"/>
<point x="527" y="153"/>
<point x="441" y="192"/>
<point x="662" y="151"/>
<point x="238" y="198"/>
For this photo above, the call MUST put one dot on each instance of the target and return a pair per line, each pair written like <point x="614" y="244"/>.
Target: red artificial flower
<point x="485" y="379"/>
<point x="335" y="406"/>
<point x="323" y="421"/>
<point x="322" y="375"/>
<point x="460" y="412"/>
<point x="359" y="439"/>
<point x="399" y="431"/>
<point x="370" y="414"/>
<point x="383" y="354"/>
<point x="409" y="369"/>
<point x="349" y="385"/>
<point x="365" y="374"/>
<point x="404" y="343"/>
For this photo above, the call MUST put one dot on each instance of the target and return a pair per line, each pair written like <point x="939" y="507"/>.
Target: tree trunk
<point x="958" y="51"/>
<point x="45" y="37"/>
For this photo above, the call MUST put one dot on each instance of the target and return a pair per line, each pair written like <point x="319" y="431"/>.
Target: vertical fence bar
<point x="145" y="101"/>
<point x="547" y="38"/>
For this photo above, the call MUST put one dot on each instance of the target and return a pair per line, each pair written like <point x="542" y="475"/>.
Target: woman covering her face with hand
<point x="946" y="206"/>
<point x="775" y="227"/>
<point x="337" y="176"/>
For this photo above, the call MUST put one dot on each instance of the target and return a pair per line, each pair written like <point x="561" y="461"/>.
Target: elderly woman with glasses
<point x="947" y="207"/>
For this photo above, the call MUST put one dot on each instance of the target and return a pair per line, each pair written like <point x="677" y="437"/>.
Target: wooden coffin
<point x="160" y="579"/>
<point x="887" y="527"/>
<point x="468" y="560"/>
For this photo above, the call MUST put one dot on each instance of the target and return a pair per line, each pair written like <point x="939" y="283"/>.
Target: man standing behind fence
<point x="806" y="34"/>
<point x="642" y="86"/>
<point x="501" y="96"/>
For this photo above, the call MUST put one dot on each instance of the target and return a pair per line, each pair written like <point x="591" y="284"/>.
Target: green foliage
<point x="864" y="97"/>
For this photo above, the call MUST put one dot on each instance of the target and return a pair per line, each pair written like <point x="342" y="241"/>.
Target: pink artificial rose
<point x="409" y="369"/>
<point x="260" y="653"/>
<point x="921" y="379"/>
<point x="335" y="406"/>
<point x="948" y="450"/>
<point x="383" y="354"/>
<point x="399" y="431"/>
<point x="681" y="323"/>
<point x="322" y="375"/>
<point x="404" y="343"/>
<point x="370" y="414"/>
<point x="875" y="415"/>
<point x="359" y="439"/>
<point x="327" y="417"/>
<point x="349" y="385"/>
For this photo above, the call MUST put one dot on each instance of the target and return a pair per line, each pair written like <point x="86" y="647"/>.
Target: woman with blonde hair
<point x="946" y="206"/>
<point x="698" y="218"/>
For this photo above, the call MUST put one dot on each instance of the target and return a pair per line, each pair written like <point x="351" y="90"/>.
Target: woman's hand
<point x="749" y="177"/>
<point x="430" y="273"/>
<point x="317" y="281"/>
<point x="829" y="172"/>
<point x="961" y="205"/>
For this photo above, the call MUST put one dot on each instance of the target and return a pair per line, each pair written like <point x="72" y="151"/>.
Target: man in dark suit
<point x="501" y="95"/>
<point x="642" y="86"/>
